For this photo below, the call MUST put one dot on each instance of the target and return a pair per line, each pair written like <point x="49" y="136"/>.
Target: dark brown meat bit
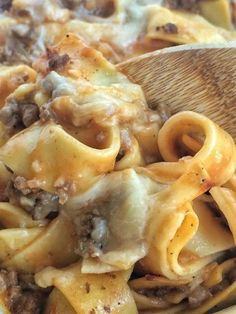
<point x="40" y="204"/>
<point x="69" y="4"/>
<point x="21" y="300"/>
<point x="5" y="5"/>
<point x="189" y="5"/>
<point x="107" y="309"/>
<point x="29" y="114"/>
<point x="55" y="61"/>
<point x="7" y="279"/>
<point x="27" y="303"/>
<point x="46" y="114"/>
<point x="17" y="116"/>
<point x="168" y="28"/>
<point x="92" y="232"/>
<point x="19" y="46"/>
<point x="9" y="115"/>
<point x="46" y="205"/>
<point x="163" y="291"/>
<point x="100" y="8"/>
<point x="20" y="183"/>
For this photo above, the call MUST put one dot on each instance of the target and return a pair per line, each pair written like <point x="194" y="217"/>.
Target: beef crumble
<point x="101" y="8"/>
<point x="19" y="42"/>
<point x="195" y="297"/>
<point x="92" y="231"/>
<point x="163" y="291"/>
<point x="55" y="61"/>
<point x="85" y="8"/>
<point x="5" y="5"/>
<point x="46" y="114"/>
<point x="189" y="5"/>
<point x="17" y="116"/>
<point x="40" y="204"/>
<point x="168" y="28"/>
<point x="23" y="296"/>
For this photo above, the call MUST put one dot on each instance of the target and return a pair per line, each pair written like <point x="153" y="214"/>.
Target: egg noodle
<point x="106" y="205"/>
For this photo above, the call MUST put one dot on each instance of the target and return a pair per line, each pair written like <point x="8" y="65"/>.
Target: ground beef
<point x="27" y="303"/>
<point x="163" y="291"/>
<point x="55" y="61"/>
<point x="189" y="5"/>
<point x="92" y="231"/>
<point x="195" y="295"/>
<point x="29" y="114"/>
<point x="18" y="47"/>
<point x="168" y="28"/>
<point x="21" y="299"/>
<point x="5" y="5"/>
<point x="17" y="116"/>
<point x="100" y="8"/>
<point x="46" y="114"/>
<point x="20" y="183"/>
<point x="40" y="204"/>
<point x="70" y="4"/>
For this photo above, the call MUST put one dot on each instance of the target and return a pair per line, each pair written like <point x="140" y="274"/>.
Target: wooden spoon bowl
<point x="201" y="78"/>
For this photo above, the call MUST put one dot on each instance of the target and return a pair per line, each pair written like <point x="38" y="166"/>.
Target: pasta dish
<point x="107" y="205"/>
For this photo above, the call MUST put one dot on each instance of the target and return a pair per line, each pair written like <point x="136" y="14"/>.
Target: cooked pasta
<point x="108" y="206"/>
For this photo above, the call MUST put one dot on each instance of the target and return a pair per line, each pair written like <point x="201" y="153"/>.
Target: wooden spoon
<point x="201" y="78"/>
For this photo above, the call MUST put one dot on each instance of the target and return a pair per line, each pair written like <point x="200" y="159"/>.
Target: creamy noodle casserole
<point x="106" y="205"/>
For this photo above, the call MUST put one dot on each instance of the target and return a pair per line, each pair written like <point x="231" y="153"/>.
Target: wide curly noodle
<point x="111" y="206"/>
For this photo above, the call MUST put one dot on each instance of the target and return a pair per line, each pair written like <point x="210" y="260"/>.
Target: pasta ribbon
<point x="226" y="200"/>
<point x="190" y="28"/>
<point x="222" y="13"/>
<point x="173" y="222"/>
<point x="57" y="303"/>
<point x="89" y="292"/>
<point x="45" y="249"/>
<point x="155" y="294"/>
<point x="39" y="148"/>
<point x="13" y="76"/>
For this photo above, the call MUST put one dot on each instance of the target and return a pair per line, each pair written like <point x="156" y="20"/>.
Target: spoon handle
<point x="201" y="78"/>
